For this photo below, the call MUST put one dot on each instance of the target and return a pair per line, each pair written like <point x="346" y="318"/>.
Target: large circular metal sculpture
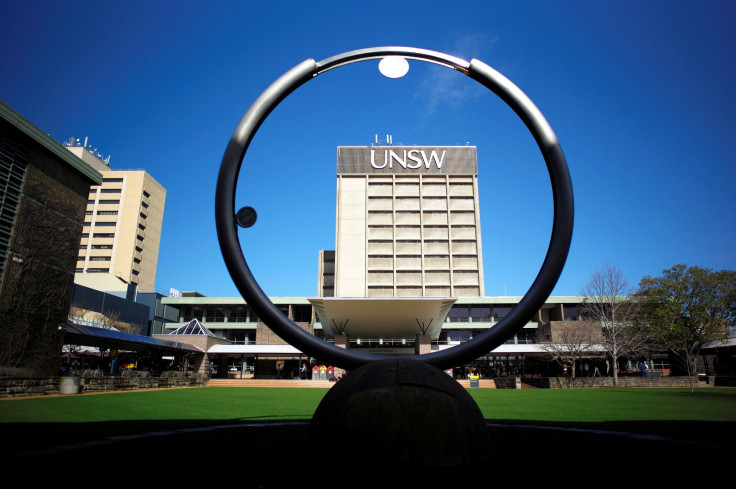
<point x="228" y="217"/>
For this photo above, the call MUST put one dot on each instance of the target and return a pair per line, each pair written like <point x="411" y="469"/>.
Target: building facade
<point x="408" y="222"/>
<point x="122" y="228"/>
<point x="43" y="193"/>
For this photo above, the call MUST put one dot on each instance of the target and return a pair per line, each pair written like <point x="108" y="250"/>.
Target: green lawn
<point x="706" y="413"/>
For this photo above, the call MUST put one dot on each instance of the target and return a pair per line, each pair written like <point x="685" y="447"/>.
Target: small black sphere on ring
<point x="246" y="217"/>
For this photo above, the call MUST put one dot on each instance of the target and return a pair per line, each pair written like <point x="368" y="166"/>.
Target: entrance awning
<point x="382" y="317"/>
<point x="252" y="350"/>
<point x="77" y="334"/>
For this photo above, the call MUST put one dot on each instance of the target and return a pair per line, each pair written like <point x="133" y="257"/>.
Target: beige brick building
<point x="122" y="228"/>
<point x="408" y="222"/>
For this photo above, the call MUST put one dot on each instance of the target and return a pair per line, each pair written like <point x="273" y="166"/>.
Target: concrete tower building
<point x="408" y="222"/>
<point x="122" y="228"/>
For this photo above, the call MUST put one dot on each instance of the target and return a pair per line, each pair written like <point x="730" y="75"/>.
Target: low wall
<point x="29" y="387"/>
<point x="588" y="382"/>
<point x="507" y="383"/>
<point x="50" y="386"/>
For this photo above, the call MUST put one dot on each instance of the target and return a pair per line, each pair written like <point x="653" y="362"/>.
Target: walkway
<point x="325" y="384"/>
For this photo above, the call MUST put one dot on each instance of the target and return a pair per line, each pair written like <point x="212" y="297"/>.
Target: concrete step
<point x="482" y="383"/>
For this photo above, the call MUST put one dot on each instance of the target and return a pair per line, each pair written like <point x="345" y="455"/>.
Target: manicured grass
<point x="705" y="414"/>
<point x="210" y="404"/>
<point x="607" y="405"/>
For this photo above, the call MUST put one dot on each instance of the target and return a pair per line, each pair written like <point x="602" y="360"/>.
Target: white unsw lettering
<point x="389" y="156"/>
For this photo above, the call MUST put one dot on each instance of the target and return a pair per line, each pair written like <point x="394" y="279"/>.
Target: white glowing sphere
<point x="393" y="66"/>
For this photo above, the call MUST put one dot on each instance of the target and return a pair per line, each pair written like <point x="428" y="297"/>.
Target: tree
<point x="570" y="342"/>
<point x="109" y="319"/>
<point x="608" y="299"/>
<point x="687" y="307"/>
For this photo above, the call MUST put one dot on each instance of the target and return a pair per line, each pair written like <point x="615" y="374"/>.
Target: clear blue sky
<point x="640" y="95"/>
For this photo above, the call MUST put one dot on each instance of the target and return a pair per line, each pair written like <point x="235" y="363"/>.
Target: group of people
<point x="322" y="371"/>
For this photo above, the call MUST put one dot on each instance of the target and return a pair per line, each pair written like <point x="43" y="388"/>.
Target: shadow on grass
<point x="276" y="453"/>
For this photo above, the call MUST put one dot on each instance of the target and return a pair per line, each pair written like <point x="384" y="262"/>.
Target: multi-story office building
<point x="408" y="222"/>
<point x="122" y="228"/>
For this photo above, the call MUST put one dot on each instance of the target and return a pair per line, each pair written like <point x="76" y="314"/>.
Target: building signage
<point x="407" y="160"/>
<point x="412" y="159"/>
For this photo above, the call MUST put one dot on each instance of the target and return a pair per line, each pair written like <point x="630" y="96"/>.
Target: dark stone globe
<point x="400" y="415"/>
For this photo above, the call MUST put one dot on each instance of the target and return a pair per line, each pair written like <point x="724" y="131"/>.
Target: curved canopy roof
<point x="382" y="317"/>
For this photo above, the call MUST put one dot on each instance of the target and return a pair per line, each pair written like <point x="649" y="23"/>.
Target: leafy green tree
<point x="687" y="307"/>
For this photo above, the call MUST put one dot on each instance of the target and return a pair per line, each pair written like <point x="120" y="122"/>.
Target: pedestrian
<point x="643" y="368"/>
<point x="303" y="372"/>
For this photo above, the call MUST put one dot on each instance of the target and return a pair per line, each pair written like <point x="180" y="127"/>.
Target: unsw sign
<point x="411" y="159"/>
<point x="407" y="159"/>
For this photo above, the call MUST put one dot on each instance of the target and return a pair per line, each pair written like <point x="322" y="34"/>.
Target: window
<point x="480" y="314"/>
<point x="109" y="201"/>
<point x="145" y="206"/>
<point x="458" y="336"/>
<point x="103" y="235"/>
<point x="110" y="191"/>
<point x="501" y="311"/>
<point x="118" y="180"/>
<point x="108" y="224"/>
<point x="101" y="247"/>
<point x="571" y="313"/>
<point x="146" y="194"/>
<point x="458" y="314"/>
<point x="136" y="260"/>
<point x="99" y="258"/>
<point x="107" y="213"/>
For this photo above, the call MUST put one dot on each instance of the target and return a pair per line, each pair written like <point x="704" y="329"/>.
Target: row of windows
<point x="94" y="258"/>
<point x="300" y="313"/>
<point x="103" y="201"/>
<point x="478" y="313"/>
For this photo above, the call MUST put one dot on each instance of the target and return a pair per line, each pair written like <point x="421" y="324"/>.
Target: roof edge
<point x="27" y="128"/>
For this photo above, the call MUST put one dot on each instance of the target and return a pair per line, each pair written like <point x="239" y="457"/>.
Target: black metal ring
<point x="541" y="288"/>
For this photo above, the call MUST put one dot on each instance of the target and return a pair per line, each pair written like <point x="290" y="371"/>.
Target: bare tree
<point x="79" y="314"/>
<point x="571" y="341"/>
<point x="609" y="300"/>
